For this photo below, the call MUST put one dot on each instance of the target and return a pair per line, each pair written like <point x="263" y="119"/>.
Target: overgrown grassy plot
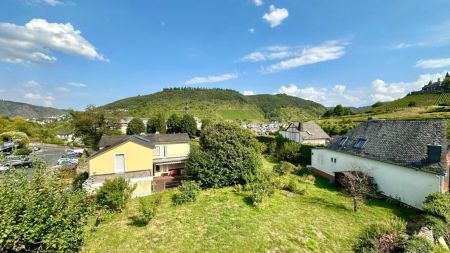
<point x="225" y="221"/>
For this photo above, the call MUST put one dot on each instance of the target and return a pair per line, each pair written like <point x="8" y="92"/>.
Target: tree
<point x="136" y="126"/>
<point x="92" y="124"/>
<point x="359" y="186"/>
<point x="41" y="213"/>
<point x="20" y="138"/>
<point x="114" y="193"/>
<point x="226" y="154"/>
<point x="446" y="81"/>
<point x="157" y="123"/>
<point x="174" y="124"/>
<point x="338" y="111"/>
<point x="188" y="125"/>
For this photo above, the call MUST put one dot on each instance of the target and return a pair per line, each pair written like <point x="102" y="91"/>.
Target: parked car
<point x="15" y="164"/>
<point x="68" y="158"/>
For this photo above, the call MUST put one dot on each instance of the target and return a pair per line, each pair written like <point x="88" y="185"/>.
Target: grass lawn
<point x="224" y="221"/>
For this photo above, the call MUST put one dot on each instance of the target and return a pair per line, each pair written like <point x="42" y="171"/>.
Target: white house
<point x="67" y="136"/>
<point x="308" y="132"/>
<point x="407" y="159"/>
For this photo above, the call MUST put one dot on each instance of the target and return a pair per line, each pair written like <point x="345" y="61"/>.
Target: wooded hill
<point x="418" y="100"/>
<point x="11" y="109"/>
<point x="221" y="104"/>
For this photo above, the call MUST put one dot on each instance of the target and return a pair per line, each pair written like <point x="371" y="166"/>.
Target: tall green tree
<point x="92" y="124"/>
<point x="135" y="126"/>
<point x="227" y="155"/>
<point x="188" y="125"/>
<point x="174" y="124"/>
<point x="157" y="123"/>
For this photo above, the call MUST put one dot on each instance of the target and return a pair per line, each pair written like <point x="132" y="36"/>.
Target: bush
<point x="260" y="187"/>
<point x="438" y="204"/>
<point x="386" y="236"/>
<point x="417" y="244"/>
<point x="40" y="213"/>
<point x="294" y="186"/>
<point x="187" y="192"/>
<point x="22" y="151"/>
<point x="77" y="183"/>
<point x="148" y="208"/>
<point x="114" y="194"/>
<point x="280" y="182"/>
<point x="227" y="152"/>
<point x="438" y="225"/>
<point x="301" y="171"/>
<point x="283" y="168"/>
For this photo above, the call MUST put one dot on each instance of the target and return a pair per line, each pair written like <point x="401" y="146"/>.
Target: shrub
<point x="260" y="187"/>
<point x="418" y="244"/>
<point x="283" y="168"/>
<point x="438" y="225"/>
<point x="438" y="204"/>
<point x="280" y="182"/>
<point x="294" y="186"/>
<point x="22" y="151"/>
<point x="148" y="208"/>
<point x="114" y="194"/>
<point x="227" y="152"/>
<point x="412" y="104"/>
<point x="77" y="183"/>
<point x="309" y="180"/>
<point x="385" y="236"/>
<point x="135" y="126"/>
<point x="40" y="213"/>
<point x="187" y="192"/>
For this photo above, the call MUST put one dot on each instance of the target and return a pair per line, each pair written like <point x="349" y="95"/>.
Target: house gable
<point x="137" y="157"/>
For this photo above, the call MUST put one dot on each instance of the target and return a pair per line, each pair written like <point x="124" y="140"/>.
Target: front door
<point x="119" y="163"/>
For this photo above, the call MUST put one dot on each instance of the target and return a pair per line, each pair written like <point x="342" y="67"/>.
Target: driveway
<point x="50" y="153"/>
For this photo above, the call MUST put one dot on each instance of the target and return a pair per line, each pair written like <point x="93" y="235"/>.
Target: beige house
<point x="146" y="160"/>
<point x="308" y="132"/>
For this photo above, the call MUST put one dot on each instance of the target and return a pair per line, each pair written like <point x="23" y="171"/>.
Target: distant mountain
<point x="219" y="104"/>
<point x="10" y="108"/>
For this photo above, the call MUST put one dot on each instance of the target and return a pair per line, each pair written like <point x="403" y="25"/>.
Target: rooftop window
<point x="342" y="141"/>
<point x="360" y="143"/>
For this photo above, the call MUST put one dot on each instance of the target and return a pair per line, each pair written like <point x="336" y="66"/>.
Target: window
<point x="342" y="141"/>
<point x="158" y="169"/>
<point x="333" y="159"/>
<point x="308" y="132"/>
<point x="360" y="143"/>
<point x="157" y="151"/>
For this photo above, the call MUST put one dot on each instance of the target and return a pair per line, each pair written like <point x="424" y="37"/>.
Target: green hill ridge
<point x="221" y="104"/>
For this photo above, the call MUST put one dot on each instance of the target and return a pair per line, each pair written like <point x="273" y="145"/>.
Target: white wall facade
<point x="293" y="136"/>
<point x="405" y="184"/>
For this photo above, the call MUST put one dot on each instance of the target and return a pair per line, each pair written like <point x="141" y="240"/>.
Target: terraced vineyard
<point x="419" y="100"/>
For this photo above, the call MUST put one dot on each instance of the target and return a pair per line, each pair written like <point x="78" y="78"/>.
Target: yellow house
<point x="149" y="161"/>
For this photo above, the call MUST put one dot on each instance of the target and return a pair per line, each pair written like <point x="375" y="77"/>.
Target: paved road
<point x="50" y="153"/>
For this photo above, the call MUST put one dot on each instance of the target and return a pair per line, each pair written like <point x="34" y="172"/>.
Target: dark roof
<point x="114" y="141"/>
<point x="310" y="130"/>
<point x="403" y="143"/>
<point x="168" y="138"/>
<point x="109" y="140"/>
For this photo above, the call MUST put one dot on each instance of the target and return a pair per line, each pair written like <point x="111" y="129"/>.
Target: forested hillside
<point x="10" y="109"/>
<point x="220" y="104"/>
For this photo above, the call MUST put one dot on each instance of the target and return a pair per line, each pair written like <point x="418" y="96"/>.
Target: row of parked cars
<point x="70" y="158"/>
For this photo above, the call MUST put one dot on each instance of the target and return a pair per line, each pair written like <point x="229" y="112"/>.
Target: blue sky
<point x="68" y="54"/>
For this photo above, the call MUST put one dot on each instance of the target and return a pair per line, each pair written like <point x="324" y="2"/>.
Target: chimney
<point x="434" y="153"/>
<point x="300" y="126"/>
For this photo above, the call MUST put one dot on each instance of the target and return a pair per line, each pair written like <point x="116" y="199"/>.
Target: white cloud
<point x="80" y="85"/>
<point x="63" y="89"/>
<point x="52" y="2"/>
<point x="276" y="16"/>
<point x="248" y="93"/>
<point x="251" y="30"/>
<point x="32" y="84"/>
<point x="337" y="95"/>
<point x="433" y="63"/>
<point x="211" y="79"/>
<point x="258" y="2"/>
<point x="32" y="95"/>
<point x="46" y="100"/>
<point x="383" y="91"/>
<point x="34" y="42"/>
<point x="328" y="51"/>
<point x="269" y="53"/>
